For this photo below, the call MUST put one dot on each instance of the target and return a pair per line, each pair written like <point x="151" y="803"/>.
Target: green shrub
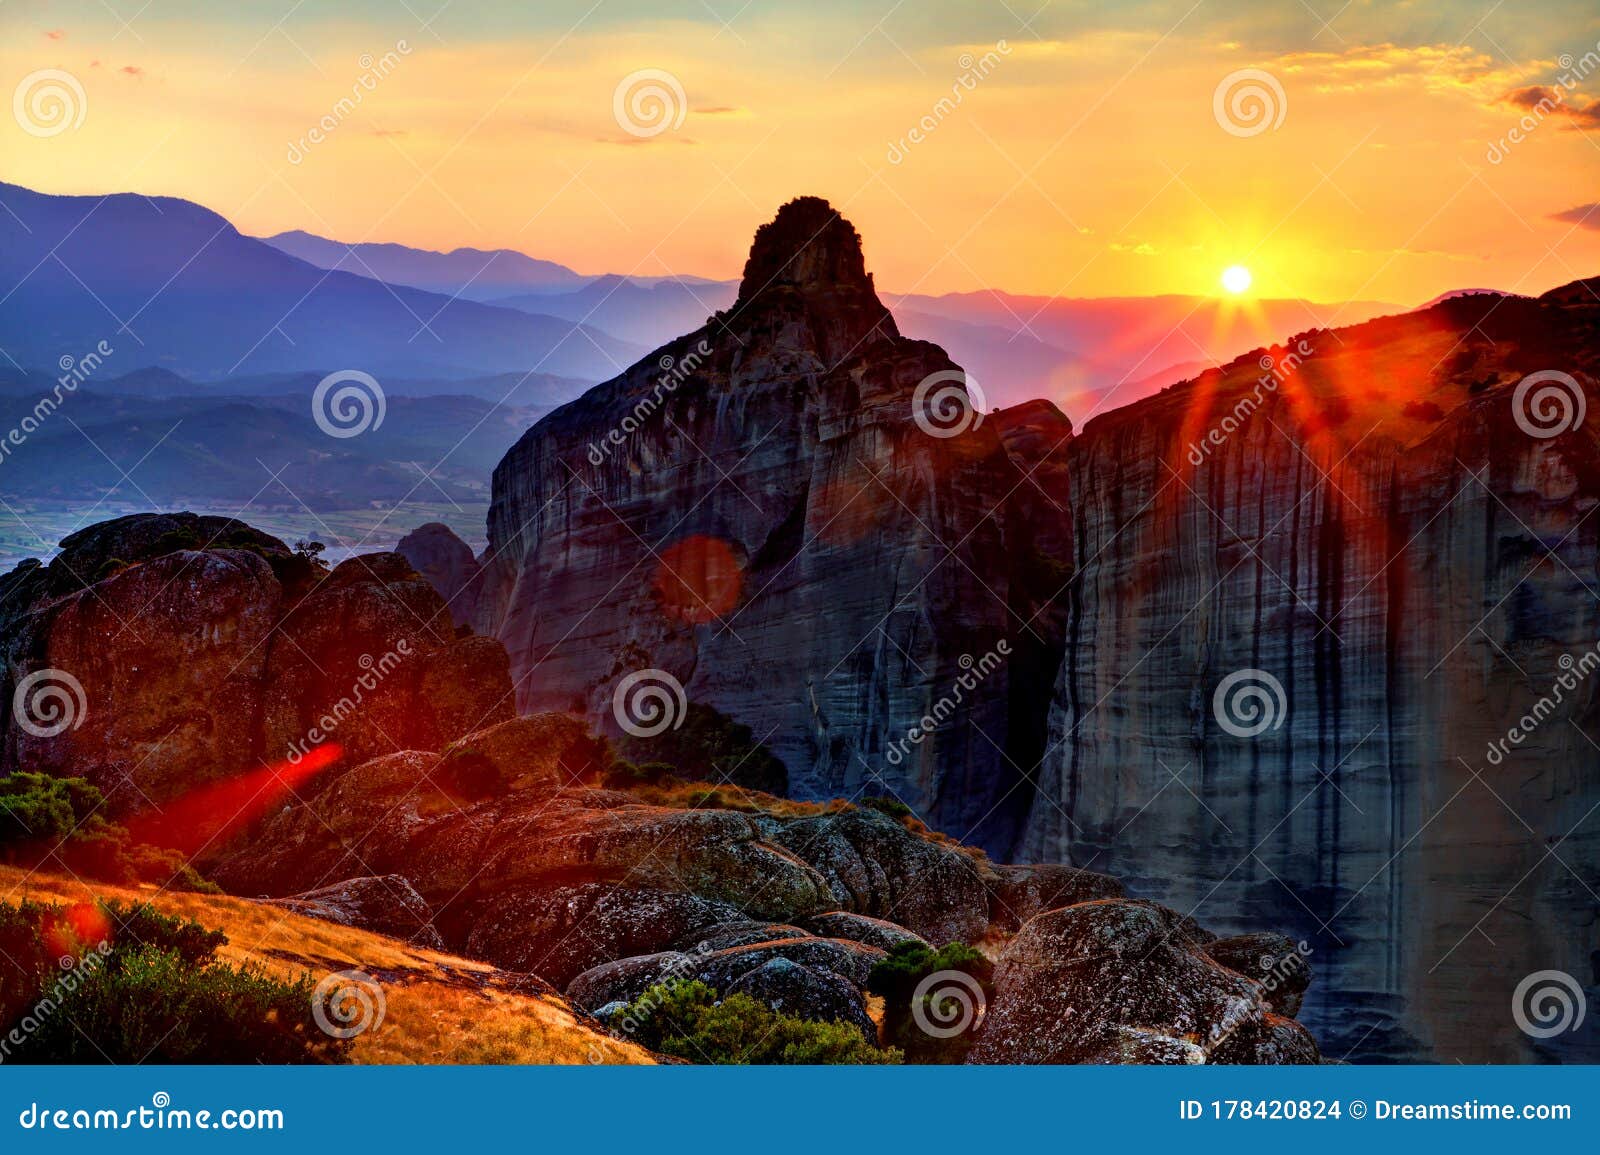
<point x="57" y="821"/>
<point x="687" y="1021"/>
<point x="709" y="746"/>
<point x="896" y="977"/>
<point x="893" y="807"/>
<point x="623" y="774"/>
<point x="156" y="994"/>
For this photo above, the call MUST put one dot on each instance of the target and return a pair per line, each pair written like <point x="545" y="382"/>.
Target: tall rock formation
<point x="797" y="514"/>
<point x="1392" y="539"/>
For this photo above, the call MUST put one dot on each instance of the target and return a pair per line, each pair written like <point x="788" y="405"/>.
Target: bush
<point x="154" y="993"/>
<point x="711" y="747"/>
<point x="893" y="807"/>
<point x="896" y="977"/>
<point x="45" y="819"/>
<point x="687" y="1021"/>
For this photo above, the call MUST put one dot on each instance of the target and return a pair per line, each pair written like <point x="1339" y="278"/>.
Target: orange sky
<point x="1087" y="160"/>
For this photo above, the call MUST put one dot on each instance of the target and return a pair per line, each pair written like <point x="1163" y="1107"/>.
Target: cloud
<point x="55" y="34"/>
<point x="1434" y="66"/>
<point x="1584" y="216"/>
<point x="131" y="70"/>
<point x="1548" y="100"/>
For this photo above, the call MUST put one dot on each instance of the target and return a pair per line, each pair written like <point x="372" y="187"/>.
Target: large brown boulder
<point x="1127" y="981"/>
<point x="190" y="649"/>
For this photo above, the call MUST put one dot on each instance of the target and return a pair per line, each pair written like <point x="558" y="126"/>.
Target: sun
<point x="1236" y="278"/>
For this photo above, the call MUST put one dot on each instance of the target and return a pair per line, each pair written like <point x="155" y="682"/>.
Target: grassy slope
<point x="440" y="1008"/>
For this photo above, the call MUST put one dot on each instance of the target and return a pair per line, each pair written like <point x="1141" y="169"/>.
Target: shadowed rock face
<point x="1379" y="536"/>
<point x="205" y="649"/>
<point x="435" y="552"/>
<point x="753" y="510"/>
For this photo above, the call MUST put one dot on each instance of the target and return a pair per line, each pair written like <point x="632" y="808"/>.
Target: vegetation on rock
<point x="688" y="1021"/>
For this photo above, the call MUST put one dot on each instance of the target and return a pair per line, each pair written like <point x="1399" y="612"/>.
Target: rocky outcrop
<point x="446" y="563"/>
<point x="1114" y="981"/>
<point x="1397" y="550"/>
<point x="770" y="511"/>
<point x="792" y="988"/>
<point x="388" y="905"/>
<point x="188" y="650"/>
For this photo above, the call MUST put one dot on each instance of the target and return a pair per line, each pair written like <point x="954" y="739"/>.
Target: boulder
<point x="875" y="866"/>
<point x="1075" y="978"/>
<point x="860" y="928"/>
<point x="1275" y="961"/>
<point x="387" y="904"/>
<point x="1020" y="892"/>
<point x="794" y="989"/>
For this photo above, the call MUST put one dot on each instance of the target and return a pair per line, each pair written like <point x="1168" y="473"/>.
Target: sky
<point x="1074" y="149"/>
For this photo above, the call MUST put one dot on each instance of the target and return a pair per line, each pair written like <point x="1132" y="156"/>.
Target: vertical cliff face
<point x="1365" y="528"/>
<point x="757" y="510"/>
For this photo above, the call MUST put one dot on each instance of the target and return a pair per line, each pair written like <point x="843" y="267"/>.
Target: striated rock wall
<point x="1376" y="533"/>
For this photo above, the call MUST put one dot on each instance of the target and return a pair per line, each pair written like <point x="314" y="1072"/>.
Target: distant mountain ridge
<point x="169" y="283"/>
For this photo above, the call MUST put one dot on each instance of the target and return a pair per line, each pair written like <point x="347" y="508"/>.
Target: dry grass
<point x="440" y="1008"/>
<point x="702" y="796"/>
